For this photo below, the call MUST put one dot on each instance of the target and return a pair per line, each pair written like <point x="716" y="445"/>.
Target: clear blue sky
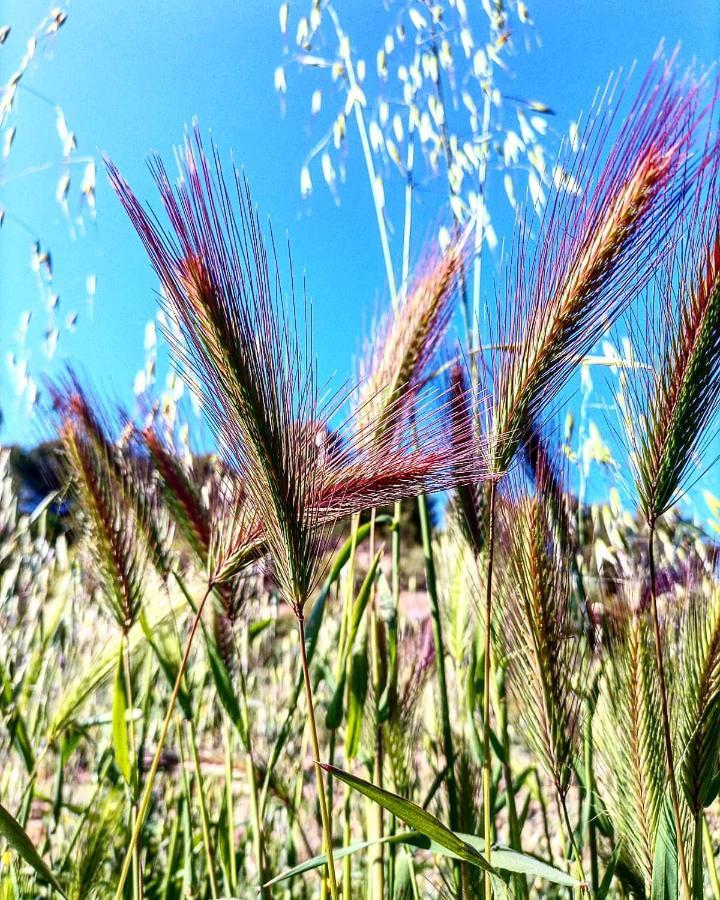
<point x="129" y="75"/>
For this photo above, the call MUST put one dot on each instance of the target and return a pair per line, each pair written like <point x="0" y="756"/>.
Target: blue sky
<point x="129" y="76"/>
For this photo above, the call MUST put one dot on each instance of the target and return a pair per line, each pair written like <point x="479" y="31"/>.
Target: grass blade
<point x="415" y="816"/>
<point x="17" y="838"/>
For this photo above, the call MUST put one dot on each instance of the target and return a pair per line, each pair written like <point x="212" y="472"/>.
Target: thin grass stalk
<point x="710" y="858"/>
<point x="344" y="627"/>
<point x="202" y="803"/>
<point x="188" y="842"/>
<point x="377" y="819"/>
<point x="256" y="818"/>
<point x="447" y="739"/>
<point x="344" y="45"/>
<point x="331" y="798"/>
<point x="230" y="811"/>
<point x="480" y="229"/>
<point x="147" y="792"/>
<point x="295" y="830"/>
<point x="347" y="837"/>
<point x="664" y="705"/>
<point x="376" y="816"/>
<point x="172" y="852"/>
<point x="137" y="866"/>
<point x="324" y="814"/>
<point x="577" y="855"/>
<point x="487" y="764"/>
<point x="562" y="830"/>
<point x="513" y="822"/>
<point x="590" y="795"/>
<point x="347" y="612"/>
<point x="392" y="676"/>
<point x="409" y="165"/>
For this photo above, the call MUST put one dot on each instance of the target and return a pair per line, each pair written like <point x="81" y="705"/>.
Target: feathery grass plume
<point x="628" y="737"/>
<point x="90" y="873"/>
<point x="250" y="354"/>
<point x="213" y="516"/>
<point x="606" y="221"/>
<point x="131" y="475"/>
<point x="402" y="727"/>
<point x="112" y="524"/>
<point x="406" y="341"/>
<point x="540" y="632"/>
<point x="698" y="685"/>
<point x="470" y="498"/>
<point x="670" y="405"/>
<point x="181" y="492"/>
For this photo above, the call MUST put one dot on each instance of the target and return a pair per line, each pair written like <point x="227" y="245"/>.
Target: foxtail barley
<point x="591" y="257"/>
<point x="669" y="408"/>
<point x="251" y="362"/>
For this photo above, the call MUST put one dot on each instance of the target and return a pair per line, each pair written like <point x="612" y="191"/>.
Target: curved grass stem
<point x="573" y="843"/>
<point x="448" y="748"/>
<point x="324" y="814"/>
<point x="487" y="764"/>
<point x="127" y="672"/>
<point x="204" y="817"/>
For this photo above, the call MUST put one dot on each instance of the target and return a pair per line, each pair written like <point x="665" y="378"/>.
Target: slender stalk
<point x="544" y="813"/>
<point x="258" y="833"/>
<point x="393" y="669"/>
<point x="480" y="224"/>
<point x="327" y="832"/>
<point x="562" y="804"/>
<point x="710" y="859"/>
<point x="448" y="749"/>
<point x="377" y="863"/>
<point x="204" y="818"/>
<point x="367" y="151"/>
<point x="590" y="795"/>
<point x="432" y="590"/>
<point x="409" y="164"/>
<point x="188" y="856"/>
<point x="669" y="759"/>
<point x="145" y="800"/>
<point x="513" y="823"/>
<point x="348" y="598"/>
<point x="232" y="873"/>
<point x="172" y="851"/>
<point x="331" y="800"/>
<point x="137" y="871"/>
<point x="376" y="817"/>
<point x="487" y="767"/>
<point x="347" y="836"/>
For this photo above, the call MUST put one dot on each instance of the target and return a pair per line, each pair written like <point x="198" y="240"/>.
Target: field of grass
<point x="381" y="643"/>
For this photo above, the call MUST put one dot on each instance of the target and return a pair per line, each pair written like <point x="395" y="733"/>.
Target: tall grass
<point x="518" y="689"/>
